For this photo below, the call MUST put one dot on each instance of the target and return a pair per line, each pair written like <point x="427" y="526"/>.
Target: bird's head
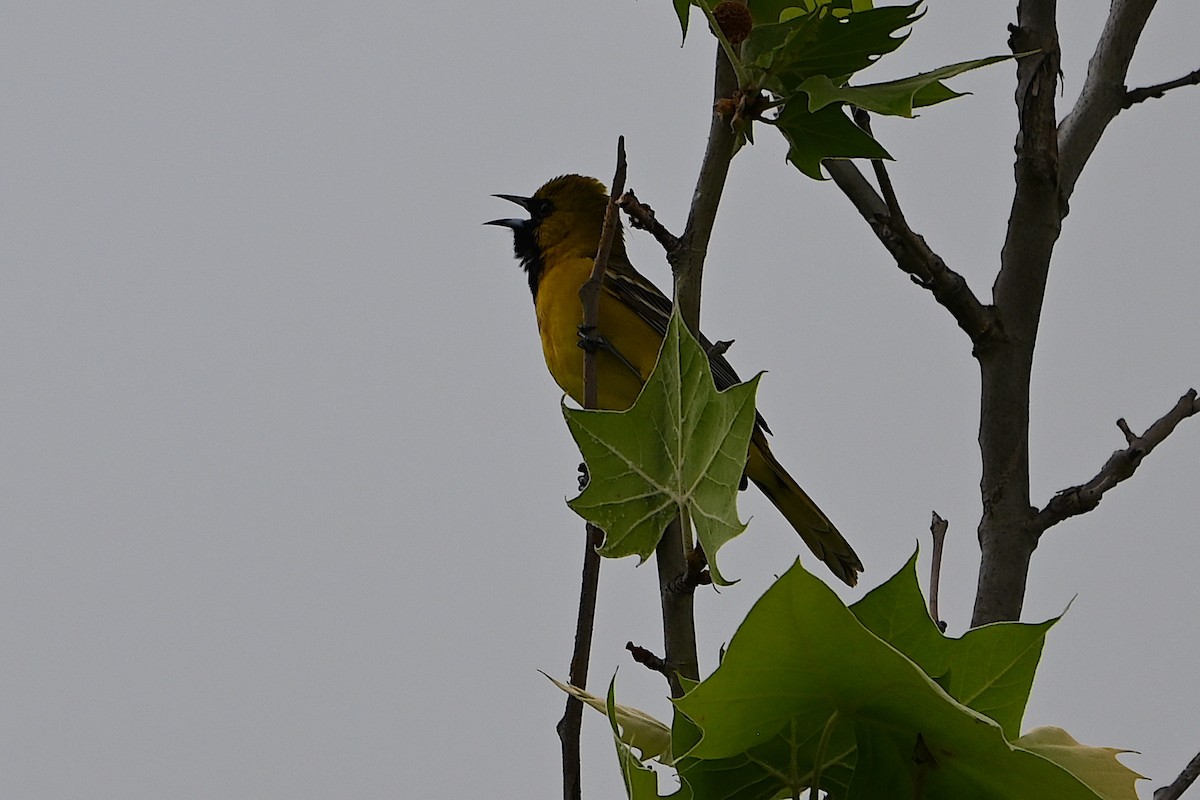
<point x="566" y="217"/>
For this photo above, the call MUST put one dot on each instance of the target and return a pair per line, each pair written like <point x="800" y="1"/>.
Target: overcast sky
<point x="283" y="471"/>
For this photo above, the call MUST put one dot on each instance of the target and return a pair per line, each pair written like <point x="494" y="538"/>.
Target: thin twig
<point x="895" y="214"/>
<point x="641" y="217"/>
<point x="649" y="660"/>
<point x="1119" y="467"/>
<point x="1134" y="96"/>
<point x="572" y="720"/>
<point x="913" y="255"/>
<point x="697" y="572"/>
<point x="1181" y="783"/>
<point x="589" y="293"/>
<point x="938" y="528"/>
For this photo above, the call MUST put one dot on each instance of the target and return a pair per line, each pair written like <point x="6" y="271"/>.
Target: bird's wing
<point x="631" y="288"/>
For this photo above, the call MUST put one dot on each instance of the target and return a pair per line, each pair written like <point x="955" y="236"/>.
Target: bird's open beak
<point x="515" y="224"/>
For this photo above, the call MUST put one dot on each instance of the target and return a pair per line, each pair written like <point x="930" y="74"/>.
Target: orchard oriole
<point x="556" y="247"/>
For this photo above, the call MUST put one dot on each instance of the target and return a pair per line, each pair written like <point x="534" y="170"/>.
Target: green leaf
<point x="897" y="98"/>
<point x="782" y="55"/>
<point x="989" y="669"/>
<point x="801" y="663"/>
<point x="681" y="448"/>
<point x="683" y="9"/>
<point x="767" y="11"/>
<point x="1098" y="767"/>
<point x="828" y="133"/>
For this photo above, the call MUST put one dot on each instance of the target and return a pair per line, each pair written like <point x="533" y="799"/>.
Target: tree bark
<point x="1007" y="536"/>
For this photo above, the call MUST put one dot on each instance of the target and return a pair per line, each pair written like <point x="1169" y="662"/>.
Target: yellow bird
<point x="556" y="247"/>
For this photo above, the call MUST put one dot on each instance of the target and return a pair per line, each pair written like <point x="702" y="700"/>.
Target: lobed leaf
<point x="680" y="449"/>
<point x="989" y="669"/>
<point x="801" y="662"/>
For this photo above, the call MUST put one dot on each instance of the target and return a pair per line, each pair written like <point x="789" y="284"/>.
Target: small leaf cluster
<point x="801" y="56"/>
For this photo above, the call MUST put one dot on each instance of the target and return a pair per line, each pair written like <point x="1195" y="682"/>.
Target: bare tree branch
<point x="687" y="259"/>
<point x="641" y="217"/>
<point x="687" y="264"/>
<point x="1134" y="96"/>
<point x="856" y="188"/>
<point x="1120" y="465"/>
<point x="1103" y="95"/>
<point x="910" y="251"/>
<point x="649" y="660"/>
<point x="1181" y="783"/>
<point x="589" y="294"/>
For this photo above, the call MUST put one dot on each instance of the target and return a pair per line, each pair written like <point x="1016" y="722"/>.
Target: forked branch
<point x="911" y="252"/>
<point x="1103" y="95"/>
<point x="1119" y="467"/>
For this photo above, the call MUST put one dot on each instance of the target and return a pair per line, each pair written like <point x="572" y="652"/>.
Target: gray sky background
<point x="283" y="470"/>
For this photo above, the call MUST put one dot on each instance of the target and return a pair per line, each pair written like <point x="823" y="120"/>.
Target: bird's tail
<point x="809" y="521"/>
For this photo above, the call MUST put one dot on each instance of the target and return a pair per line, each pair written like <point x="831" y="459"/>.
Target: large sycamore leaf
<point x="804" y="686"/>
<point x="681" y="448"/>
<point x="897" y="98"/>
<point x="810" y="686"/>
<point x="989" y="669"/>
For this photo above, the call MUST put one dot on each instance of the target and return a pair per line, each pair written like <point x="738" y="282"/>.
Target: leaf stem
<point x="819" y="759"/>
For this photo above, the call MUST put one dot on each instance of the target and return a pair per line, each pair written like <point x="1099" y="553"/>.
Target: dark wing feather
<point x="629" y="287"/>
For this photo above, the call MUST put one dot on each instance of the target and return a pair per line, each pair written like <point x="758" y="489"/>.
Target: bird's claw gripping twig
<point x="593" y="341"/>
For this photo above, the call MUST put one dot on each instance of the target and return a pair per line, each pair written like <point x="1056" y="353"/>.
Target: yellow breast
<point x="559" y="315"/>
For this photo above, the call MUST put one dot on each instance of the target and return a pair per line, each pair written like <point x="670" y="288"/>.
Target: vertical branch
<point x="1103" y="94"/>
<point x="938" y="528"/>
<point x="687" y="260"/>
<point x="589" y="294"/>
<point x="687" y="264"/>
<point x="1006" y="530"/>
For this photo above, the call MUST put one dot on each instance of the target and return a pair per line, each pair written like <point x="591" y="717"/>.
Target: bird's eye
<point x="542" y="209"/>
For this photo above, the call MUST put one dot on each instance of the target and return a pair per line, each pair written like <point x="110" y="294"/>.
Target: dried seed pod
<point x="735" y="20"/>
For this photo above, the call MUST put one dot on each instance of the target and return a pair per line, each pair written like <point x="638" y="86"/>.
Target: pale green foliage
<point x="1098" y="767"/>
<point x="634" y="727"/>
<point x="680" y="449"/>
<point x="640" y="781"/>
